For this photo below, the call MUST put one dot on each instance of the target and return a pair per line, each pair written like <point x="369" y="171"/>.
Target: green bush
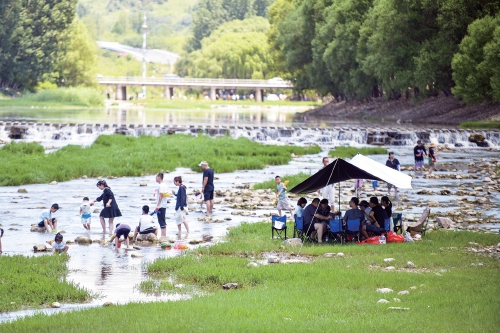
<point x="74" y="95"/>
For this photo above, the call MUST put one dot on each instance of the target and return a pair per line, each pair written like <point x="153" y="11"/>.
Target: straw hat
<point x="432" y="145"/>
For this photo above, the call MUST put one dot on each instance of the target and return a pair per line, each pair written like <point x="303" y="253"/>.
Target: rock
<point x="404" y="292"/>
<point x="477" y="138"/>
<point x="382" y="301"/>
<point x="207" y="238"/>
<point x="413" y="288"/>
<point x="41" y="247"/>
<point x="137" y="247"/>
<point x="293" y="242"/>
<point x="384" y="290"/>
<point x="486" y="180"/>
<point x="137" y="255"/>
<point x="36" y="228"/>
<point x="390" y="268"/>
<point x="329" y="255"/>
<point x="228" y="286"/>
<point x="105" y="304"/>
<point x="143" y="184"/>
<point x="82" y="240"/>
<point x="97" y="210"/>
<point x="444" y="222"/>
<point x="55" y="305"/>
<point x="22" y="190"/>
<point x="70" y="241"/>
<point x="388" y="259"/>
<point x="397" y="300"/>
<point x="340" y="254"/>
<point x="410" y="264"/>
<point x="273" y="260"/>
<point x="53" y="182"/>
<point x="253" y="264"/>
<point x="398" y="308"/>
<point x="151" y="238"/>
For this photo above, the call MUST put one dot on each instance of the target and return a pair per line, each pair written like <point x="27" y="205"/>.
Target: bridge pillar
<point x="167" y="92"/>
<point x="121" y="93"/>
<point x="258" y="95"/>
<point x="212" y="93"/>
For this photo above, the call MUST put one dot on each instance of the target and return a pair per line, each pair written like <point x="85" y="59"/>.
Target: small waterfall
<point x="57" y="135"/>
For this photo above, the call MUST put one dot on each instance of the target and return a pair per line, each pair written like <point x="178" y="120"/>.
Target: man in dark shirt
<point x="207" y="187"/>
<point x="419" y="152"/>
<point x="378" y="215"/>
<point x="312" y="220"/>
<point x="392" y="163"/>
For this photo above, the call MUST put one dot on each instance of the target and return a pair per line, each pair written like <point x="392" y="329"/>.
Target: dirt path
<point x="434" y="110"/>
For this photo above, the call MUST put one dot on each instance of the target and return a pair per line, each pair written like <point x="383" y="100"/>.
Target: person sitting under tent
<point x="312" y="224"/>
<point x="354" y="213"/>
<point x="377" y="216"/>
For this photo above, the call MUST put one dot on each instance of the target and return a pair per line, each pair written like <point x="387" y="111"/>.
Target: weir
<point x="83" y="134"/>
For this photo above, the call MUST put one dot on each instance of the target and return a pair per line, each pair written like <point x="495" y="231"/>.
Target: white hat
<point x="203" y="163"/>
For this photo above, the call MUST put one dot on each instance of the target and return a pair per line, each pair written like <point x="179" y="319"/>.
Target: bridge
<point x="121" y="84"/>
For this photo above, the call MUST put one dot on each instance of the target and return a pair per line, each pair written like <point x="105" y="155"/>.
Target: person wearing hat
<point x="432" y="156"/>
<point x="207" y="187"/>
<point x="392" y="163"/>
<point x="419" y="152"/>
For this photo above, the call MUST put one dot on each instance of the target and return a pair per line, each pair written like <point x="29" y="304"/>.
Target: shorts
<point x="374" y="229"/>
<point x="283" y="204"/>
<point x="150" y="230"/>
<point x="327" y="193"/>
<point x="86" y="221"/>
<point x="431" y="162"/>
<point x="179" y="216"/>
<point x="419" y="164"/>
<point x="208" y="195"/>
<point x="41" y="224"/>
<point x="161" y="218"/>
<point x="122" y="232"/>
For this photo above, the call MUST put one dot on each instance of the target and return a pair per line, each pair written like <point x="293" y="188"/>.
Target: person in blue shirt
<point x="207" y="187"/>
<point x="47" y="221"/>
<point x="301" y="203"/>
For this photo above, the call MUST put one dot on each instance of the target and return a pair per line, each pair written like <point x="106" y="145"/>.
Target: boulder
<point x="22" y="190"/>
<point x="410" y="264"/>
<point x="477" y="138"/>
<point x="444" y="222"/>
<point x="82" y="240"/>
<point x="151" y="238"/>
<point x="18" y="132"/>
<point x="42" y="247"/>
<point x="143" y="184"/>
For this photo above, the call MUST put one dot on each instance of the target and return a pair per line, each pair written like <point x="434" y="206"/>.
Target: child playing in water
<point x="85" y="213"/>
<point x="147" y="224"/>
<point x="121" y="234"/>
<point x="47" y="221"/>
<point x="59" y="246"/>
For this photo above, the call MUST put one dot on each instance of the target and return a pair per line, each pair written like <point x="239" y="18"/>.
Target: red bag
<point x="393" y="238"/>
<point x="371" y="240"/>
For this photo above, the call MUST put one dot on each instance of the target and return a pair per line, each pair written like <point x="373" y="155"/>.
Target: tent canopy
<point x="363" y="168"/>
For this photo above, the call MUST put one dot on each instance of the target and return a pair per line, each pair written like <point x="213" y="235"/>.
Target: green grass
<point x="74" y="96"/>
<point x="36" y="281"/>
<point x="117" y="155"/>
<point x="349" y="152"/>
<point x="294" y="180"/>
<point x="326" y="294"/>
<point x="161" y="103"/>
<point x="478" y="124"/>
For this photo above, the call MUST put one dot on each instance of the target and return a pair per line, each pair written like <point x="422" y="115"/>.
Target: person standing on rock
<point x="419" y="152"/>
<point x="392" y="163"/>
<point x="432" y="156"/>
<point x="162" y="201"/>
<point x="328" y="192"/>
<point x="181" y="206"/>
<point x="110" y="210"/>
<point x="207" y="187"/>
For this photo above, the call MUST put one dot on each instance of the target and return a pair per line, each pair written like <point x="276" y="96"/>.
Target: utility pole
<point x="144" y="29"/>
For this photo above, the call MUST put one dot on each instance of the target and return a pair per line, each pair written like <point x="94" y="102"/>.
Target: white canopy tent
<point x="379" y="170"/>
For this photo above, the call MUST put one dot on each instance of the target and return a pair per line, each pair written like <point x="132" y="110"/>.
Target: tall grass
<point x="117" y="155"/>
<point x="480" y="124"/>
<point x="348" y="152"/>
<point x="326" y="294"/>
<point x="75" y="96"/>
<point x="36" y="281"/>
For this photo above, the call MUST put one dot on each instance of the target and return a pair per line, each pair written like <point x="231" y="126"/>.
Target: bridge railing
<point x="186" y="81"/>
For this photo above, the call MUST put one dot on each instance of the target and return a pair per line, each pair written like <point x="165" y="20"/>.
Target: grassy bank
<point x="348" y="152"/>
<point x="294" y="180"/>
<point x="36" y="281"/>
<point x="74" y="96"/>
<point x="117" y="155"/>
<point x="493" y="124"/>
<point x="161" y="103"/>
<point x="338" y="293"/>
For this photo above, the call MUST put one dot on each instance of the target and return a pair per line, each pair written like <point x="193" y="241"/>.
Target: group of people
<point x="147" y="223"/>
<point x="420" y="153"/>
<point x="372" y="215"/>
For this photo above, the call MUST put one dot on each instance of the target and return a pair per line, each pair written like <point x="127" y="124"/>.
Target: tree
<point x="476" y="67"/>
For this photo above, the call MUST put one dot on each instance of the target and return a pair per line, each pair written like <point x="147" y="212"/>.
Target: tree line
<point x="358" y="49"/>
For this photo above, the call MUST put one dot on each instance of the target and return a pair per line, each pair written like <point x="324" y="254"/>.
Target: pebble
<point x="404" y="292"/>
<point x="231" y="285"/>
<point x="388" y="259"/>
<point x="253" y="264"/>
<point x="273" y="260"/>
<point x="390" y="268"/>
<point x="55" y="305"/>
<point x="107" y="304"/>
<point x="397" y="300"/>
<point x="340" y="254"/>
<point x="137" y="255"/>
<point x="384" y="290"/>
<point x="382" y="301"/>
<point x="397" y="308"/>
<point x="410" y="264"/>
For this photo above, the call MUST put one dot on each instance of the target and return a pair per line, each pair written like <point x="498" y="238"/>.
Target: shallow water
<point x="115" y="275"/>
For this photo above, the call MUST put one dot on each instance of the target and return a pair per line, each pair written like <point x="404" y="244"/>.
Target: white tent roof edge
<point x="389" y="175"/>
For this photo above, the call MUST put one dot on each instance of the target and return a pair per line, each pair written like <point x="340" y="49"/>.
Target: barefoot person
<point x="419" y="152"/>
<point x="85" y="213"/>
<point x="47" y="221"/>
<point x="207" y="187"/>
<point x="392" y="163"/>
<point x="432" y="156"/>
<point x="181" y="206"/>
<point x="161" y="205"/>
<point x="110" y="210"/>
<point x="120" y="235"/>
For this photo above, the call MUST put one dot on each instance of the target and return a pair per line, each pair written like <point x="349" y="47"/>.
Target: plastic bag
<point x="371" y="240"/>
<point x="394" y="238"/>
<point x="408" y="237"/>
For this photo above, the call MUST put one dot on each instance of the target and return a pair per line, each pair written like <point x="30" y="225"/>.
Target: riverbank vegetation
<point x="117" y="155"/>
<point x="72" y="96"/>
<point x="294" y="180"/>
<point x="36" y="281"/>
<point x="450" y="289"/>
<point x="349" y="152"/>
<point x="162" y="103"/>
<point x="493" y="124"/>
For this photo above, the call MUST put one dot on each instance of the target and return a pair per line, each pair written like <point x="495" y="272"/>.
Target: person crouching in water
<point x="147" y="224"/>
<point x="121" y="234"/>
<point x="181" y="206"/>
<point x="59" y="246"/>
<point x="47" y="221"/>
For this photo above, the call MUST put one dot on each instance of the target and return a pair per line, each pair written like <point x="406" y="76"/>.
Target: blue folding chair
<point x="299" y="225"/>
<point x="278" y="225"/>
<point x="387" y="226"/>
<point x="336" y="231"/>
<point x="397" y="220"/>
<point x="352" y="227"/>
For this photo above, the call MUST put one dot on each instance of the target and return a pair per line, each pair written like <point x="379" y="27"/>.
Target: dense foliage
<point x="356" y="49"/>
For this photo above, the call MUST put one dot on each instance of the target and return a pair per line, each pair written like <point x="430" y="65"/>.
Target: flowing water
<point x="113" y="275"/>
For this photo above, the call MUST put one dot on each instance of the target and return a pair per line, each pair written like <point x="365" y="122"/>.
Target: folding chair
<point x="352" y="227"/>
<point x="397" y="220"/>
<point x="387" y="226"/>
<point x="299" y="225"/>
<point x="421" y="225"/>
<point x="336" y="231"/>
<point x="278" y="224"/>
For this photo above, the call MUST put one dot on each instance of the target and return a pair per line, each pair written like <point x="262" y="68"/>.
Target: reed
<point x="117" y="155"/>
